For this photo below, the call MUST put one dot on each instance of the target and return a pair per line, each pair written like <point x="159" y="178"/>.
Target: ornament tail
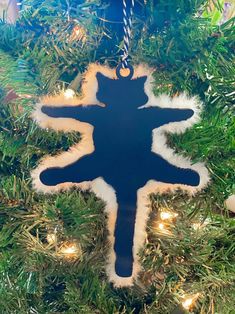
<point x="124" y="234"/>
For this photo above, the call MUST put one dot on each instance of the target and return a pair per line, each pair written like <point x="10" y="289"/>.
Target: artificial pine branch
<point x="36" y="278"/>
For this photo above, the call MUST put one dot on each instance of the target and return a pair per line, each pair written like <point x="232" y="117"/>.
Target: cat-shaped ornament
<point x="123" y="156"/>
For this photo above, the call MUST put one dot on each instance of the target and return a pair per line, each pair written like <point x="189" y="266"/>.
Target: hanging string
<point x="127" y="27"/>
<point x="68" y="10"/>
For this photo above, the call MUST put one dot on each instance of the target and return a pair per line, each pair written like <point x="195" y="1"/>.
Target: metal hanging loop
<point x="119" y="74"/>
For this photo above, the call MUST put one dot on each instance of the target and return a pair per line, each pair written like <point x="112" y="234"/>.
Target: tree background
<point x="192" y="51"/>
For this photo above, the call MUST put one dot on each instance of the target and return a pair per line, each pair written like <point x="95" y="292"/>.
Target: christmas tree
<point x="53" y="248"/>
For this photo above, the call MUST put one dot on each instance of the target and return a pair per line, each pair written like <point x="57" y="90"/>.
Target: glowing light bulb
<point x="200" y="225"/>
<point x="79" y="33"/>
<point x="197" y="225"/>
<point x="161" y="226"/>
<point x="189" y="302"/>
<point x="168" y="215"/>
<point x="69" y="93"/>
<point x="69" y="250"/>
<point x="51" y="238"/>
<point x="162" y="229"/>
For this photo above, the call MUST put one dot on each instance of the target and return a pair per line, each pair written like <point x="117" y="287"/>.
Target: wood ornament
<point x="230" y="203"/>
<point x="9" y="11"/>
<point x="123" y="154"/>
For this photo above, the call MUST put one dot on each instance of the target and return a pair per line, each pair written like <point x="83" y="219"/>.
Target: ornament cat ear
<point x="101" y="77"/>
<point x="141" y="80"/>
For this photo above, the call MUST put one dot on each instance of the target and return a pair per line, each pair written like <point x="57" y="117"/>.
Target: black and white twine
<point x="127" y="22"/>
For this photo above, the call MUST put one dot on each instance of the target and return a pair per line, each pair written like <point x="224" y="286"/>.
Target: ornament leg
<point x="161" y="170"/>
<point x="81" y="170"/>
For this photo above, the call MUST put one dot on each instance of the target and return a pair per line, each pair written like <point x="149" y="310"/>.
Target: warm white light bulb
<point x="200" y="225"/>
<point x="168" y="215"/>
<point x="165" y="215"/>
<point x="189" y="302"/>
<point x="69" y="250"/>
<point x="69" y="93"/>
<point x="162" y="229"/>
<point x="197" y="225"/>
<point x="161" y="226"/>
<point x="51" y="238"/>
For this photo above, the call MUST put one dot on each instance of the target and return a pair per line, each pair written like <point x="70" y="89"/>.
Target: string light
<point x="72" y="249"/>
<point x="69" y="250"/>
<point x="52" y="235"/>
<point x="73" y="87"/>
<point x="79" y="33"/>
<point x="69" y="93"/>
<point x="189" y="302"/>
<point x="51" y="238"/>
<point x="163" y="229"/>
<point x="161" y="226"/>
<point x="200" y="225"/>
<point x="197" y="225"/>
<point x="166" y="215"/>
